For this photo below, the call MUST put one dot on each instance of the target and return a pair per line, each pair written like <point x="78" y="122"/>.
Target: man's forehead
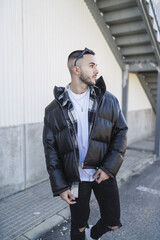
<point x="89" y="58"/>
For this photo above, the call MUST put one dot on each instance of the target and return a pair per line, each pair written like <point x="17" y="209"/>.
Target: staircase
<point x="128" y="29"/>
<point x="132" y="31"/>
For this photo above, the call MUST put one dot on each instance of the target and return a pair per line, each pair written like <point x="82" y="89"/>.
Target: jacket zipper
<point x="82" y="164"/>
<point x="69" y="135"/>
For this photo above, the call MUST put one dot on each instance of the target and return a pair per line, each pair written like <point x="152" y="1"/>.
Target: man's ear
<point x="76" y="70"/>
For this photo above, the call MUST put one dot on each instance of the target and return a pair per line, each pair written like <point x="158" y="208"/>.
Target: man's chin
<point x="94" y="81"/>
<point x="91" y="83"/>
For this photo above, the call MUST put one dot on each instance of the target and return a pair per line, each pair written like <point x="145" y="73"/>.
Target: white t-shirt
<point x="80" y="103"/>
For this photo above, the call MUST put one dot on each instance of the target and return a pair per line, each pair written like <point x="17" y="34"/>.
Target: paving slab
<point x="22" y="238"/>
<point x="47" y="225"/>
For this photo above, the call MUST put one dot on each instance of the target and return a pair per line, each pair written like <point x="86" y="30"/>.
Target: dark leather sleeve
<point x="117" y="147"/>
<point x="53" y="161"/>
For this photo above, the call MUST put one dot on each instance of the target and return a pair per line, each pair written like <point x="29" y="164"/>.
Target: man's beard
<point x="86" y="80"/>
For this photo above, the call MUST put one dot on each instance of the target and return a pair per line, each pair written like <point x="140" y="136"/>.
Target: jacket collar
<point x="61" y="93"/>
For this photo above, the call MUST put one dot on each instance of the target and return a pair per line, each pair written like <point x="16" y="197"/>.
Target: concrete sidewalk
<point x="34" y="211"/>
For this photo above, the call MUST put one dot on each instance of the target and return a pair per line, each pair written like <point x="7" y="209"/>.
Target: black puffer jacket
<point x="107" y="142"/>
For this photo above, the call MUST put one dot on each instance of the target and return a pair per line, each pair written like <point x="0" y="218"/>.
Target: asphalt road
<point x="140" y="209"/>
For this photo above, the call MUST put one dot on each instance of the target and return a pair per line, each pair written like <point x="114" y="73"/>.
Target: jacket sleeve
<point x="53" y="161"/>
<point x="117" y="147"/>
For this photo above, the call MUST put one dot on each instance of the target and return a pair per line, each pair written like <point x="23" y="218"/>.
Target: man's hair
<point x="76" y="54"/>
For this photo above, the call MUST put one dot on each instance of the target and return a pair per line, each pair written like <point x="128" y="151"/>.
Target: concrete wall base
<point x="141" y="124"/>
<point x="22" y="158"/>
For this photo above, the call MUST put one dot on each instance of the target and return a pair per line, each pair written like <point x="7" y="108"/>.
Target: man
<point x="84" y="141"/>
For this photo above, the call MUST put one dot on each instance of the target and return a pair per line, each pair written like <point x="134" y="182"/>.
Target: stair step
<point x="151" y="75"/>
<point x="151" y="80"/>
<point x="122" y="16"/>
<point x="153" y="86"/>
<point x="128" y="28"/>
<point x="130" y="40"/>
<point x="147" y="57"/>
<point x="155" y="98"/>
<point x="152" y="83"/>
<point x="154" y="92"/>
<point x="137" y="50"/>
<point x="112" y="5"/>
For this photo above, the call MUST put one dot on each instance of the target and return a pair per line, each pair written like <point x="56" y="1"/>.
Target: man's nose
<point x="96" y="70"/>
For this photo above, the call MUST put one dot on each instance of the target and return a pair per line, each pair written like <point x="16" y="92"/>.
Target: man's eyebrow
<point x="93" y="63"/>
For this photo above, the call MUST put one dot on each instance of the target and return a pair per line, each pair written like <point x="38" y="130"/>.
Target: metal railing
<point x="156" y="6"/>
<point x="154" y="12"/>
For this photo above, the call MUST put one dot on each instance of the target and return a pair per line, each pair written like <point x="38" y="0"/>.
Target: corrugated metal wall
<point x="11" y="69"/>
<point x="26" y="59"/>
<point x="39" y="58"/>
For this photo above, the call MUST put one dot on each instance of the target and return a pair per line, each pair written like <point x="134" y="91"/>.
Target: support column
<point x="157" y="130"/>
<point x="125" y="76"/>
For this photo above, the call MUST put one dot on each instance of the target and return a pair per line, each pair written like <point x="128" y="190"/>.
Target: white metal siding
<point x="39" y="58"/>
<point x="11" y="78"/>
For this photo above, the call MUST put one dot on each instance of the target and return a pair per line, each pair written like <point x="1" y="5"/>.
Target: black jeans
<point x="107" y="196"/>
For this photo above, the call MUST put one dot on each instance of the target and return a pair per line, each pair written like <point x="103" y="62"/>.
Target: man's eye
<point x="91" y="66"/>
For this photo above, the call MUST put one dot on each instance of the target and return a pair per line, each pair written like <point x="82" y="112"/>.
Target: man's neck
<point x="78" y="88"/>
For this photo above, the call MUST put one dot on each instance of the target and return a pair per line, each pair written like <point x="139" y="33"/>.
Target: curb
<point x="46" y="225"/>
